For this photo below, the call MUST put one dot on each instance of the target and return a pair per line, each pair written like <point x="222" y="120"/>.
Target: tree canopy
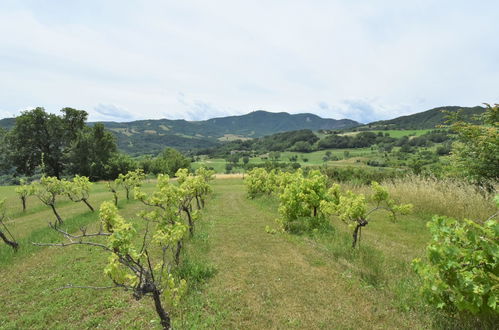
<point x="42" y="139"/>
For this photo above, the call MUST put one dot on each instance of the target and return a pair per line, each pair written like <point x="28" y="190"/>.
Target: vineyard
<point x="271" y="251"/>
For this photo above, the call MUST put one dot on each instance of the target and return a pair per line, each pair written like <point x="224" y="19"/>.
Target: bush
<point x="462" y="268"/>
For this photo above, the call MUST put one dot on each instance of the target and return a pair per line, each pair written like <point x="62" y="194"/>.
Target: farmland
<point x="235" y="270"/>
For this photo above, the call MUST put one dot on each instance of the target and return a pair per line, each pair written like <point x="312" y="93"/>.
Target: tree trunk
<point x="23" y="199"/>
<point x="115" y="198"/>
<point x="88" y="204"/>
<point x="177" y="252"/>
<point x="191" y="223"/>
<point x="197" y="202"/>
<point x="59" y="219"/>
<point x="13" y="244"/>
<point x="163" y="315"/>
<point x="315" y="211"/>
<point x="356" y="233"/>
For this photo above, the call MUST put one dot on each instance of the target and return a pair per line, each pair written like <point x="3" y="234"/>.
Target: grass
<point x="312" y="158"/>
<point x="395" y="133"/>
<point x="239" y="276"/>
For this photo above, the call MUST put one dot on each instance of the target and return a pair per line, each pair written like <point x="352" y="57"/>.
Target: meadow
<point x="239" y="275"/>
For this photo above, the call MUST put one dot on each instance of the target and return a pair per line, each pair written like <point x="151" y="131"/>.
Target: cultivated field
<point x="239" y="275"/>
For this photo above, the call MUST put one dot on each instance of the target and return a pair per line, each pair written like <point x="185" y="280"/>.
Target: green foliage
<point x="131" y="265"/>
<point x="477" y="150"/>
<point x="461" y="270"/>
<point x="353" y="209"/>
<point x="130" y="180"/>
<point x="90" y="153"/>
<point x="38" y="133"/>
<point x="24" y="190"/>
<point x="118" y="164"/>
<point x="299" y="196"/>
<point x="78" y="190"/>
<point x="48" y="189"/>
<point x="259" y="181"/>
<point x="169" y="162"/>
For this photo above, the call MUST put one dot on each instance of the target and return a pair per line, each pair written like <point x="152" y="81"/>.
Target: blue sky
<point x="364" y="60"/>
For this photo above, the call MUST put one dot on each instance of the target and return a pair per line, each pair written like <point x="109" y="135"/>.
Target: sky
<point x="125" y="60"/>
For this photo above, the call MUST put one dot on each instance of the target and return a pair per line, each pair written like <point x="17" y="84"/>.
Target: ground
<point x="241" y="276"/>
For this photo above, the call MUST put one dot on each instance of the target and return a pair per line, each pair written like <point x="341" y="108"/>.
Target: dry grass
<point x="453" y="198"/>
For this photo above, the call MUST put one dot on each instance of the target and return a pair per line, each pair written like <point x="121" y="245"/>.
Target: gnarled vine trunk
<point x="7" y="241"/>
<point x="163" y="315"/>
<point x="88" y="204"/>
<point x="59" y="219"/>
<point x="357" y="231"/>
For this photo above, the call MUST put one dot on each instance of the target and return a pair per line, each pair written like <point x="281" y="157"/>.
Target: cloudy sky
<point x="365" y="60"/>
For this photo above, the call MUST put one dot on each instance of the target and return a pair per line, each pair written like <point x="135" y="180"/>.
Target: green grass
<point x="312" y="158"/>
<point x="398" y="133"/>
<point x="239" y="276"/>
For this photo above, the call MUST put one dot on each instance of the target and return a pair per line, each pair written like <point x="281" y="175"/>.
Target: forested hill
<point x="151" y="136"/>
<point x="425" y="120"/>
<point x="260" y="123"/>
<point x="254" y="124"/>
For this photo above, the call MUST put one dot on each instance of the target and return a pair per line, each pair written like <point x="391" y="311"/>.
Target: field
<point x="304" y="159"/>
<point x="396" y="133"/>
<point x="239" y="275"/>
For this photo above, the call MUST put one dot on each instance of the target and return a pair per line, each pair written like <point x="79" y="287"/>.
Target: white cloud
<point x="112" y="112"/>
<point x="364" y="60"/>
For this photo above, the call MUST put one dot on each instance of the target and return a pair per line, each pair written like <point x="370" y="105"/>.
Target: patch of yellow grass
<point x="453" y="198"/>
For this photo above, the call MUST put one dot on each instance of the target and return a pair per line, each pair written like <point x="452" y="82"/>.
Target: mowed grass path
<point x="278" y="281"/>
<point x="261" y="281"/>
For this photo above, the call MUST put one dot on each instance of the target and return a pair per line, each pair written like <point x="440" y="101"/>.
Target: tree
<point x="5" y="159"/>
<point x="352" y="208"/>
<point x="476" y="151"/>
<point x="40" y="135"/>
<point x="24" y="190"/>
<point x="130" y="180"/>
<point x="10" y="242"/>
<point x="78" y="190"/>
<point x="91" y="151"/>
<point x="169" y="161"/>
<point x="301" y="197"/>
<point x="112" y="186"/>
<point x="47" y="191"/>
<point x="118" y="164"/>
<point x="140" y="259"/>
<point x="461" y="265"/>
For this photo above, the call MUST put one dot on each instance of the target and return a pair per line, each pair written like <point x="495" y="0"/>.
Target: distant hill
<point x="151" y="136"/>
<point x="424" y="120"/>
<point x="7" y="123"/>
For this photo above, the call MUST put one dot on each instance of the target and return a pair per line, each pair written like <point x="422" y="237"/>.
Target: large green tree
<point x="91" y="151"/>
<point x="41" y="138"/>
<point x="169" y="161"/>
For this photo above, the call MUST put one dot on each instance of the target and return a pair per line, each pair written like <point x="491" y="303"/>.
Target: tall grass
<point x="449" y="197"/>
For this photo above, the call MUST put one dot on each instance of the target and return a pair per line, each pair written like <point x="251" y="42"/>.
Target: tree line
<point x="42" y="143"/>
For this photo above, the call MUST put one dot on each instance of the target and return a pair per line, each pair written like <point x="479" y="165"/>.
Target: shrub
<point x="462" y="268"/>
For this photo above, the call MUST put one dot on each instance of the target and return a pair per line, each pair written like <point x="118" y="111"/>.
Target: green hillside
<point x="151" y="136"/>
<point x="424" y="120"/>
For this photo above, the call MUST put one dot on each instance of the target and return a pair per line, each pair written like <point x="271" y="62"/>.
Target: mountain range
<point x="151" y="136"/>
